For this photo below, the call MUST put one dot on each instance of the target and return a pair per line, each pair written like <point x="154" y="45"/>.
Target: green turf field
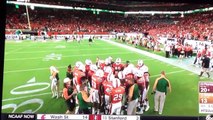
<point x="26" y="76"/>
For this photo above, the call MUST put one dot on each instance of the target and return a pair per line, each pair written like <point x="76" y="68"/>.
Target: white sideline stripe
<point x="98" y="54"/>
<point x="47" y="93"/>
<point x="191" y="74"/>
<point x="68" y="50"/>
<point x="168" y="73"/>
<point x="12" y="71"/>
<point x="157" y="57"/>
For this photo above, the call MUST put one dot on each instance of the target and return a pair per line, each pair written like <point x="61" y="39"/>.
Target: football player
<point x="101" y="64"/>
<point x="88" y="62"/>
<point x="107" y="68"/>
<point x="111" y="62"/>
<point x="92" y="70"/>
<point x="78" y="74"/>
<point x="116" y="97"/>
<point x="97" y="80"/>
<point x="146" y="76"/>
<point x="142" y="88"/>
<point x="54" y="77"/>
<point x="106" y="89"/>
<point x="117" y="66"/>
<point x="141" y="65"/>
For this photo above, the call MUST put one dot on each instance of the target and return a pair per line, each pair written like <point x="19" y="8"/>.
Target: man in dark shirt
<point x="205" y="66"/>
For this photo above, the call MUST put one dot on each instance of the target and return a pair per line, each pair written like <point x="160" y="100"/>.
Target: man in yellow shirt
<point x="160" y="89"/>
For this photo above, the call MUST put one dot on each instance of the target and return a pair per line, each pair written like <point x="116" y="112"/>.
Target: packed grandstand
<point x="186" y="36"/>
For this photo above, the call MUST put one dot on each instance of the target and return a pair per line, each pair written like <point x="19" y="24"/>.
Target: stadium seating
<point x="193" y="26"/>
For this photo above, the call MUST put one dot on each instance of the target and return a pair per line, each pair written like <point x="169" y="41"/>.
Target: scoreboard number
<point x="203" y="90"/>
<point x="206" y="97"/>
<point x="204" y="100"/>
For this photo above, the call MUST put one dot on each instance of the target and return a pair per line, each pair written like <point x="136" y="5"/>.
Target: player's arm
<point x="102" y="91"/>
<point x="85" y="96"/>
<point x="54" y="74"/>
<point x="155" y="84"/>
<point x="110" y="98"/>
<point x="169" y="85"/>
<point x="65" y="94"/>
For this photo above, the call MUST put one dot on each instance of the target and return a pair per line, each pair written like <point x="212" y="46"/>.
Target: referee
<point x="90" y="41"/>
<point x="160" y="89"/>
<point x="205" y="66"/>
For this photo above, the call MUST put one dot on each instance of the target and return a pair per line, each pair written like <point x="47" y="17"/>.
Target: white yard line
<point x="26" y="70"/>
<point x="47" y="93"/>
<point x="70" y="50"/>
<point x="17" y="49"/>
<point x="168" y="73"/>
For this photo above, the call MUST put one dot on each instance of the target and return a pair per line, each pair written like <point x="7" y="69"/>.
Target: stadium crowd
<point x="196" y="26"/>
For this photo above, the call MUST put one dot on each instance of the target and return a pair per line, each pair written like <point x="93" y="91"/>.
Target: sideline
<point x="175" y="62"/>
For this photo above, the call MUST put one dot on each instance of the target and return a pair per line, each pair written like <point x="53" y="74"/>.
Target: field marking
<point x="47" y="93"/>
<point x="68" y="50"/>
<point x="168" y="73"/>
<point x="50" y="43"/>
<point x="26" y="70"/>
<point x="12" y="71"/>
<point x="98" y="54"/>
<point x="192" y="74"/>
<point x="35" y="95"/>
<point x="14" y="50"/>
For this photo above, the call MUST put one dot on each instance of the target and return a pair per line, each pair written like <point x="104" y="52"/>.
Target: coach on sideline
<point x="160" y="89"/>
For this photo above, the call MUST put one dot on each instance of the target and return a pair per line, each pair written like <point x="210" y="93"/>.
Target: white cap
<point x="66" y="80"/>
<point x="116" y="83"/>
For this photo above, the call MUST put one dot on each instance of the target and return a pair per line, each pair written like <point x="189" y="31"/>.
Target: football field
<point x="27" y="85"/>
